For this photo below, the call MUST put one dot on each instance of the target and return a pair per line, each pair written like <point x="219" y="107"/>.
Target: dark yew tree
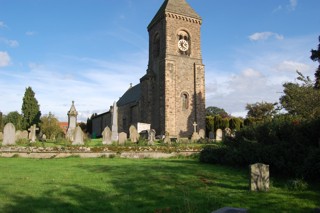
<point x="30" y="109"/>
<point x="315" y="56"/>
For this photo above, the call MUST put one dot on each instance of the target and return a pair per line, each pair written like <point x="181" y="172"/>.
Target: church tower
<point x="173" y="90"/>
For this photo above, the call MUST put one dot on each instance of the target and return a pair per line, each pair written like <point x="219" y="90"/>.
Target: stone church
<point x="171" y="95"/>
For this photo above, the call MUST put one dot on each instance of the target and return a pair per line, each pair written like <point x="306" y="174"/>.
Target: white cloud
<point x="292" y="66"/>
<point x="265" y="36"/>
<point x="4" y="59"/>
<point x="2" y="24"/>
<point x="31" y="33"/>
<point x="11" y="43"/>
<point x="292" y="5"/>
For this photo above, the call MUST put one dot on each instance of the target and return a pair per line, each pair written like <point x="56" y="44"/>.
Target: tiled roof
<point x="132" y="95"/>
<point x="180" y="7"/>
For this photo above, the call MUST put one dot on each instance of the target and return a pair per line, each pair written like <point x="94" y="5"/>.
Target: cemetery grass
<point x="138" y="185"/>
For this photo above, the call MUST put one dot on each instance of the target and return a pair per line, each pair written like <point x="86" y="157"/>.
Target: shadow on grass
<point x="156" y="186"/>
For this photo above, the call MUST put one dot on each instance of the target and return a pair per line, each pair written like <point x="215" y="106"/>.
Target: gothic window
<point x="156" y="46"/>
<point x="185" y="101"/>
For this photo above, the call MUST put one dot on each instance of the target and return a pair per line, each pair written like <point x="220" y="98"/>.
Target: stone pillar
<point x="114" y="134"/>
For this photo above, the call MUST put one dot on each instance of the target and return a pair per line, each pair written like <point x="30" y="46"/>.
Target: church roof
<point x="180" y="7"/>
<point x="132" y="95"/>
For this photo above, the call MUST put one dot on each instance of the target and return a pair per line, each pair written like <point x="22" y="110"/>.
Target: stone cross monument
<point x="72" y="122"/>
<point x="114" y="134"/>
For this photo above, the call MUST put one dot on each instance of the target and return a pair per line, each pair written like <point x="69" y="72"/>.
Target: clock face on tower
<point x="183" y="45"/>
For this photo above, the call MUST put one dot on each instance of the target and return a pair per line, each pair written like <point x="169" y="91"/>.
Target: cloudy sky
<point x="90" y="51"/>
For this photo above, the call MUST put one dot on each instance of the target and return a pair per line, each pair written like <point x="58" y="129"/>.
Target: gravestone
<point x="167" y="139"/>
<point x="32" y="135"/>
<point x="195" y="135"/>
<point x="106" y="136"/>
<point x="211" y="135"/>
<point x="44" y="137"/>
<point x="9" y="134"/>
<point x="122" y="138"/>
<point x="1" y="136"/>
<point x="18" y="135"/>
<point x="259" y="177"/>
<point x="219" y="135"/>
<point x="114" y="127"/>
<point x="24" y="134"/>
<point x="228" y="132"/>
<point x="230" y="210"/>
<point x="202" y="134"/>
<point x="151" y="137"/>
<point x="78" y="136"/>
<point x="134" y="135"/>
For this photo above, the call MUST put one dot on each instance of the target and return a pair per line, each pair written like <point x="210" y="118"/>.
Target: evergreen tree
<point x="30" y="109"/>
<point x="315" y="56"/>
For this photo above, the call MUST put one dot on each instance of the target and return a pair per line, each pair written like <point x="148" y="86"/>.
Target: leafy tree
<point x="15" y="118"/>
<point x="50" y="126"/>
<point x="301" y="99"/>
<point x="235" y="123"/>
<point x="30" y="109"/>
<point x="261" y="110"/>
<point x="315" y="56"/>
<point x="214" y="111"/>
<point x="209" y="124"/>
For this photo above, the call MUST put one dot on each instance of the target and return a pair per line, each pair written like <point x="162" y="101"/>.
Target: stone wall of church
<point x="127" y="115"/>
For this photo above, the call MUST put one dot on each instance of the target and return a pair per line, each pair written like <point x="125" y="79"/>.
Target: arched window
<point x="156" y="46"/>
<point x="185" y="101"/>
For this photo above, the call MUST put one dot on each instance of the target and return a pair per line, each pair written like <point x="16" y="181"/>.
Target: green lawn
<point x="144" y="185"/>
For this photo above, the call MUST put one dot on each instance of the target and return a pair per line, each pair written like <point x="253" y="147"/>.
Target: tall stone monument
<point x="72" y="122"/>
<point x="114" y="129"/>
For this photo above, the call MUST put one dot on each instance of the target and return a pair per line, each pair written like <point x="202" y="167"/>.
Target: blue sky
<point x="90" y="51"/>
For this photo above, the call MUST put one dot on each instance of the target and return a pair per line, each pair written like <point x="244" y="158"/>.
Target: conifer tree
<point x="315" y="56"/>
<point x="30" y="109"/>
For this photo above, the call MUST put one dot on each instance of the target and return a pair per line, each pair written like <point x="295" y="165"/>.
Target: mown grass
<point x="144" y="185"/>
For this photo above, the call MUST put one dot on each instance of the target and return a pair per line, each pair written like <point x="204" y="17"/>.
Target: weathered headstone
<point x="24" y="134"/>
<point x="259" y="177"/>
<point x="1" y="136"/>
<point x="151" y="137"/>
<point x="18" y="135"/>
<point x="9" y="134"/>
<point x="78" y="136"/>
<point x="219" y="135"/>
<point x="167" y="139"/>
<point x="122" y="138"/>
<point x="106" y="136"/>
<point x="230" y="210"/>
<point x="114" y="127"/>
<point x="44" y="137"/>
<point x="134" y="135"/>
<point x="202" y="134"/>
<point x="211" y="135"/>
<point x="32" y="134"/>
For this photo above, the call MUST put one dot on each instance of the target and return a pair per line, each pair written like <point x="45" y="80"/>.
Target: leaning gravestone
<point x="134" y="135"/>
<point x="122" y="138"/>
<point x="1" y="136"/>
<point x="167" y="139"/>
<point x="259" y="177"/>
<point x="78" y="136"/>
<point x="9" y="134"/>
<point x="227" y="132"/>
<point x="106" y="136"/>
<point x="219" y="135"/>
